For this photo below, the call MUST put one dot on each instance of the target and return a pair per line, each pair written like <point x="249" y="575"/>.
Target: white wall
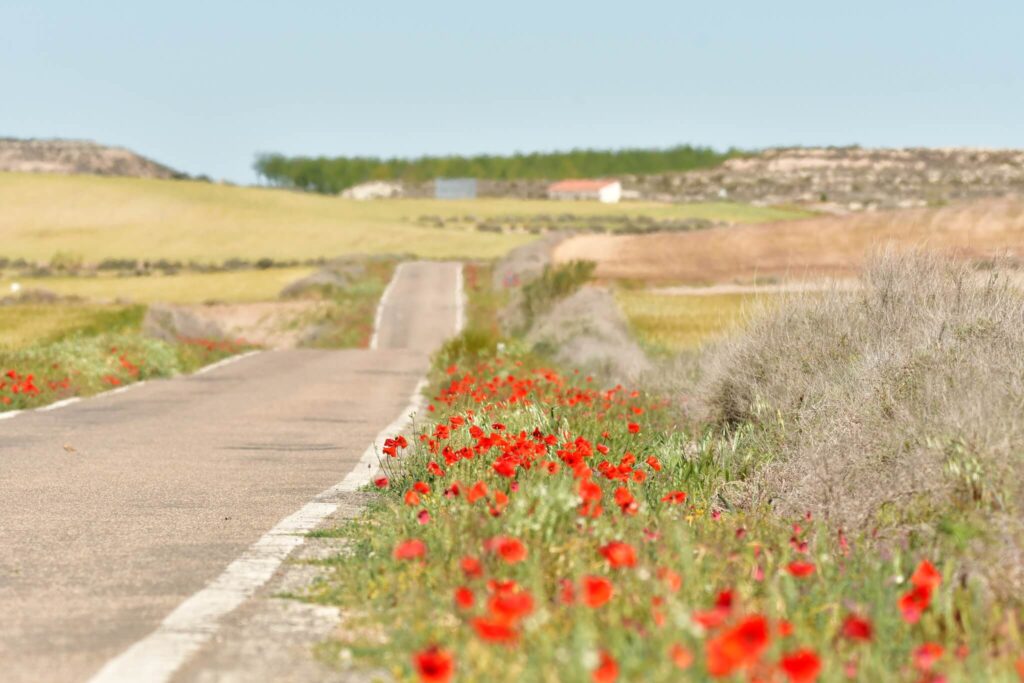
<point x="610" y="194"/>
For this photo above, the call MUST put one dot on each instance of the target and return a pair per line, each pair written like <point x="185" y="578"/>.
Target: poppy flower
<point x="926" y="576"/>
<point x="672" y="580"/>
<point x="434" y="665"/>
<point x="927" y="655"/>
<point x="381" y="483"/>
<point x="715" y="617"/>
<point x="410" y="550"/>
<point x="511" y="550"/>
<point x="674" y="497"/>
<point x="476" y="492"/>
<point x="495" y="630"/>
<point x="412" y="498"/>
<point x="633" y="428"/>
<point x="914" y="602"/>
<point x="625" y="500"/>
<point x="597" y="591"/>
<point x="423" y="517"/>
<point x="801" y="666"/>
<point x="607" y="670"/>
<point x="471" y="567"/>
<point x="681" y="657"/>
<point x="421" y="487"/>
<point x="800" y="569"/>
<point x="857" y="628"/>
<point x="464" y="597"/>
<point x="511" y="606"/>
<point x="737" y="648"/>
<point x="619" y="554"/>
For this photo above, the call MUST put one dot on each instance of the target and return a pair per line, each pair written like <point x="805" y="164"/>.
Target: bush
<point x="899" y="404"/>
<point x="554" y="283"/>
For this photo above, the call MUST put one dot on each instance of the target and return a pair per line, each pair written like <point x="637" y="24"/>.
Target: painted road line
<point x="227" y="361"/>
<point x="59" y="404"/>
<point x="156" y="658"/>
<point x="8" y="415"/>
<point x="379" y="315"/>
<point x="460" y="299"/>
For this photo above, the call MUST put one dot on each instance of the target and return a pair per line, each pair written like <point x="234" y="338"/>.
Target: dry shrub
<point x="900" y="404"/>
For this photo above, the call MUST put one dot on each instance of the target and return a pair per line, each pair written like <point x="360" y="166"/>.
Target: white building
<point x="605" y="190"/>
<point x="374" y="189"/>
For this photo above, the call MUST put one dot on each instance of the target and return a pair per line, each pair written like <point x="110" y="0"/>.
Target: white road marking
<point x="59" y="404"/>
<point x="379" y="315"/>
<point x="156" y="658"/>
<point x="227" y="361"/>
<point x="460" y="299"/>
<point x="12" y="413"/>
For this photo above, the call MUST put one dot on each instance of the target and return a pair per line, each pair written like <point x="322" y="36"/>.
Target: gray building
<point x="455" y="188"/>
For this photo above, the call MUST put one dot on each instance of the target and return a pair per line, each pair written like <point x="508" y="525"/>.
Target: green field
<point x="684" y="322"/>
<point x="240" y="286"/>
<point x="28" y="325"/>
<point x="93" y="218"/>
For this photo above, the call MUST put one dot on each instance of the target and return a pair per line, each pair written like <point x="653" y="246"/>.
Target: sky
<point x="205" y="86"/>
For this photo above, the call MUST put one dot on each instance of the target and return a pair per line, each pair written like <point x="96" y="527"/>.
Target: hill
<point x="77" y="157"/>
<point x="93" y="218"/>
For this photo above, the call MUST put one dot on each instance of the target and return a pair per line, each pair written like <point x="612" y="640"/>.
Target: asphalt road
<point x="117" y="508"/>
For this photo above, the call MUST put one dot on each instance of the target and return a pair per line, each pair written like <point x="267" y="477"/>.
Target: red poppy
<point x="927" y="655"/>
<point x="674" y="497"/>
<point x="926" y="576"/>
<point x="421" y="487"/>
<point x="857" y="628"/>
<point x="495" y="630"/>
<point x="633" y="427"/>
<point x="410" y="550"/>
<point x="681" y="657"/>
<point x="801" y="666"/>
<point x="716" y="616"/>
<point x="654" y="463"/>
<point x="607" y="670"/>
<point x="800" y="569"/>
<point x="412" y="498"/>
<point x="625" y="500"/>
<point x="672" y="580"/>
<point x="381" y="483"/>
<point x="737" y="648"/>
<point x="434" y="665"/>
<point x="914" y="602"/>
<point x="471" y="566"/>
<point x="511" y="550"/>
<point x="423" y="517"/>
<point x="597" y="591"/>
<point x="464" y="597"/>
<point x="619" y="554"/>
<point x="476" y="492"/>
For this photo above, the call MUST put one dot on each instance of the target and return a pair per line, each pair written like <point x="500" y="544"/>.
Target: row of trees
<point x="334" y="174"/>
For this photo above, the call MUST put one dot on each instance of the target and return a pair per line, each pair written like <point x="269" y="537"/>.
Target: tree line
<point x="334" y="174"/>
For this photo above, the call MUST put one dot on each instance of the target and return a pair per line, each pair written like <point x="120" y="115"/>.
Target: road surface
<point x="115" y="510"/>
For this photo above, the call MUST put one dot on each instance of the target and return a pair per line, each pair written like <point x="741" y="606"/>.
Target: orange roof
<point x="580" y="185"/>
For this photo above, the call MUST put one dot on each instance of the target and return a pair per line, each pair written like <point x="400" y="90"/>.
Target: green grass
<point x="85" y="364"/>
<point x="93" y="218"/>
<point x="25" y="325"/>
<point x="238" y="286"/>
<point x="681" y="322"/>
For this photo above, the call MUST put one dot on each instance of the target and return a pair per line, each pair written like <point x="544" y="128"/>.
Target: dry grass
<point x="900" y="404"/>
<point x="26" y="325"/>
<point x="831" y="246"/>
<point x="681" y="322"/>
<point x="238" y="286"/>
<point x="97" y="218"/>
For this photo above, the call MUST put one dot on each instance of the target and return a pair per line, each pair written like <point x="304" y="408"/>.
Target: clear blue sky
<point x="204" y="86"/>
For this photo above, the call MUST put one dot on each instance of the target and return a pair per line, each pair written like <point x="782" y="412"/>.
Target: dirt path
<point x="120" y="510"/>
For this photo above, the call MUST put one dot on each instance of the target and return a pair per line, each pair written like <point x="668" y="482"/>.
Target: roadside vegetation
<point x="333" y="174"/>
<point x="671" y="323"/>
<point x="840" y="506"/>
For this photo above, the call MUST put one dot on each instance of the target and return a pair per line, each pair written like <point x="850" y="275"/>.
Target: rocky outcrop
<point x="71" y="157"/>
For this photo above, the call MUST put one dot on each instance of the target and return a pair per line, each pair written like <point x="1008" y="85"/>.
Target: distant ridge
<point x="75" y="157"/>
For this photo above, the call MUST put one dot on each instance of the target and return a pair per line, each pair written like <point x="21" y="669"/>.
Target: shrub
<point x="554" y="283"/>
<point x="898" y="404"/>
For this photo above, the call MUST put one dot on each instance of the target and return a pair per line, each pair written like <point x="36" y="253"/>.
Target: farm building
<point x="607" y="191"/>
<point x="455" y="188"/>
